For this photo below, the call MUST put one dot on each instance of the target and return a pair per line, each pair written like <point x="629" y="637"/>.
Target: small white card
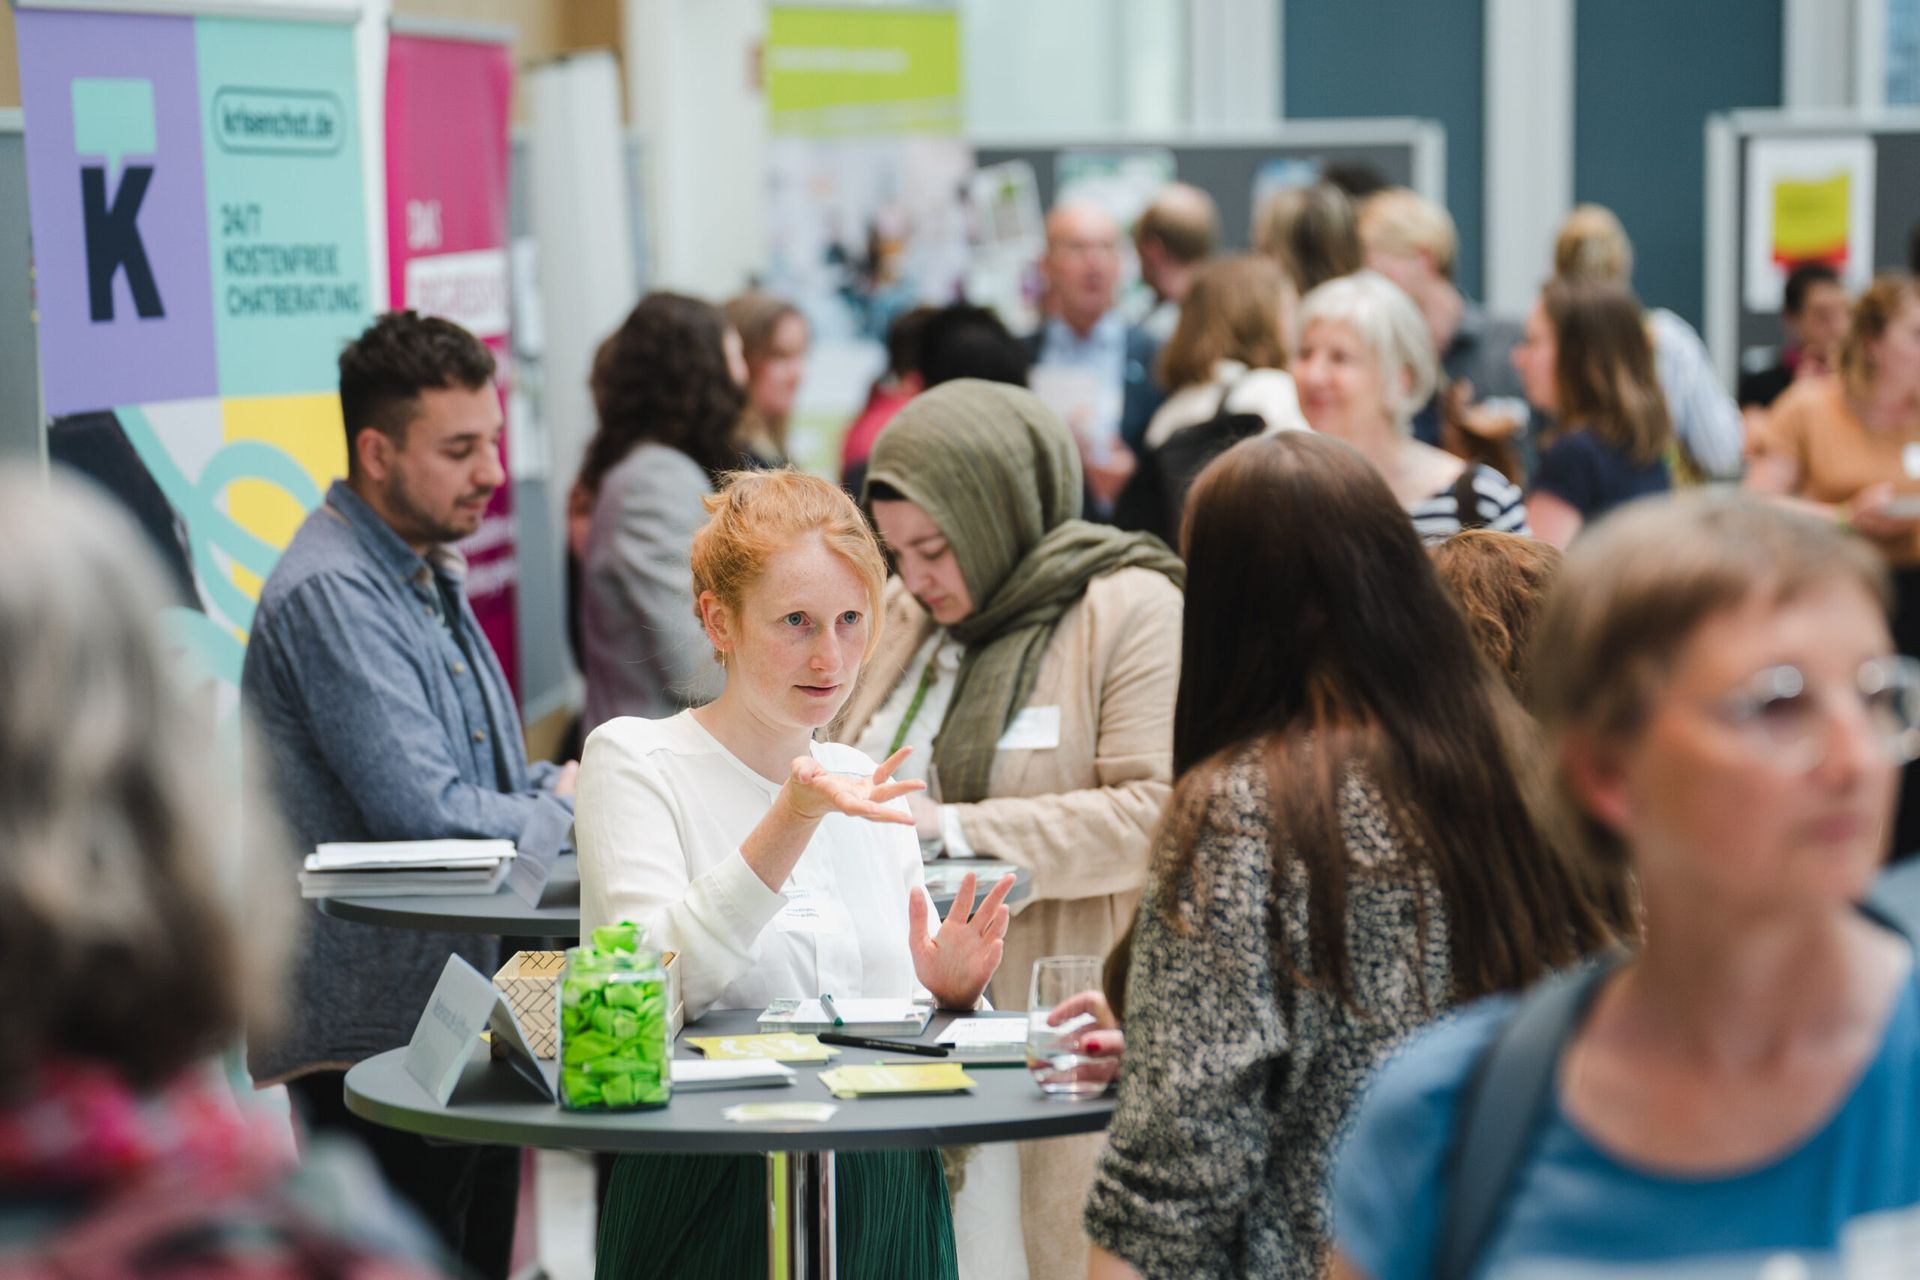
<point x="1033" y="729"/>
<point x="464" y="1004"/>
<point x="1910" y="461"/>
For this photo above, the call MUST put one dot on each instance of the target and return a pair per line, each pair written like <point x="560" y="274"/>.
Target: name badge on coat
<point x="807" y="911"/>
<point x="1033" y="729"/>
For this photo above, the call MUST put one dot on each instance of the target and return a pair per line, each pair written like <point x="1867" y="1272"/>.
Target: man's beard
<point x="421" y="526"/>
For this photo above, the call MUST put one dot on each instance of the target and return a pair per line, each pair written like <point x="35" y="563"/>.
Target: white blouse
<point x="660" y="814"/>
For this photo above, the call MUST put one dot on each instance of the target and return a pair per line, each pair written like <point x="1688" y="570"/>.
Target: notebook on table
<point x="857" y="1017"/>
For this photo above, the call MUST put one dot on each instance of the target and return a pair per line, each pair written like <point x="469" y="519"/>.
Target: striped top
<point x="1497" y="502"/>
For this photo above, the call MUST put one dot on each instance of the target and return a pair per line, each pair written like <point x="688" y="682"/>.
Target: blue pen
<point x="826" y="1002"/>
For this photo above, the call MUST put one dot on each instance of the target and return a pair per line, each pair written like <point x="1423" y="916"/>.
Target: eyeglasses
<point x="1788" y="720"/>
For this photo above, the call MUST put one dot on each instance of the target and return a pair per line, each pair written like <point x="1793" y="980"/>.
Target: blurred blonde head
<point x="119" y="943"/>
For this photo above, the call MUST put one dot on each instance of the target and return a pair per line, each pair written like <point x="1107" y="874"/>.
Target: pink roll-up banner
<point x="448" y="101"/>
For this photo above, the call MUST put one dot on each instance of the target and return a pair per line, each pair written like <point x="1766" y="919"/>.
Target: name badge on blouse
<point x="1033" y="729"/>
<point x="1910" y="461"/>
<point x="807" y="911"/>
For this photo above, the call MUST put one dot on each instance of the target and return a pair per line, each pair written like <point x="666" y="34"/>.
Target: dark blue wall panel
<point x="1399" y="58"/>
<point x="1647" y="73"/>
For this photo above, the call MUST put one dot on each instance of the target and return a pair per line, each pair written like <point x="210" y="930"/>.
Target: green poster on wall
<point x="840" y="71"/>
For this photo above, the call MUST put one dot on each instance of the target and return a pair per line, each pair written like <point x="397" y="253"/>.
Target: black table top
<point x="502" y="914"/>
<point x="494" y="1105"/>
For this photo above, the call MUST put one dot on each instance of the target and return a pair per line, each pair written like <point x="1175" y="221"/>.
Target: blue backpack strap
<point x="1501" y="1108"/>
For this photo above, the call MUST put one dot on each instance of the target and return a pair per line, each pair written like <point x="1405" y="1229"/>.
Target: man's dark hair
<point x="965" y="341"/>
<point x="1801" y="280"/>
<point x="403" y="353"/>
<point x="1913" y="249"/>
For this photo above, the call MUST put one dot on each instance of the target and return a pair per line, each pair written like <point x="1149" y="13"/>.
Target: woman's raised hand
<point x="957" y="962"/>
<point x="813" y="791"/>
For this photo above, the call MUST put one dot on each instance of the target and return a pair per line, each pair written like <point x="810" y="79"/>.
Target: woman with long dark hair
<point x="1587" y="360"/>
<point x="668" y="388"/>
<point x="1349" y="852"/>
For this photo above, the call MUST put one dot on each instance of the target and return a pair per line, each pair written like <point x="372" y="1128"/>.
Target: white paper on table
<point x="981" y="1033"/>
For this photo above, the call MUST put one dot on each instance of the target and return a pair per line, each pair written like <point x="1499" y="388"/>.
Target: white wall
<point x="1073" y="66"/>
<point x="692" y="95"/>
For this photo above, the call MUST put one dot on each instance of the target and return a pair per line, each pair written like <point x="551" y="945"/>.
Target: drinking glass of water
<point x="1054" y="1054"/>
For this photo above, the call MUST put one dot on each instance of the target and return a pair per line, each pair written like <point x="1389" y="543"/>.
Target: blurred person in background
<point x="1173" y="239"/>
<point x="1095" y="371"/>
<point x="1814" y="315"/>
<point x="1847" y="449"/>
<point x="667" y="385"/>
<point x="1030" y="658"/>
<point x="1500" y="581"/>
<point x="1225" y="370"/>
<point x="1366" y="364"/>
<point x="965" y="341"/>
<point x="1411" y="241"/>
<point x="1311" y="232"/>
<point x="775" y="338"/>
<point x="1724" y="714"/>
<point x="1349" y="853"/>
<point x="136" y="941"/>
<point x="1592" y="248"/>
<point x="901" y="382"/>
<point x="1587" y="361"/>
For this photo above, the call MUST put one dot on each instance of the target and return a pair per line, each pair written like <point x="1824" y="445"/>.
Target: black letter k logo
<point x="113" y="240"/>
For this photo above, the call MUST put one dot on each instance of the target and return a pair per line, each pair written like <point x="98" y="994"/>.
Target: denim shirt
<point x="378" y="724"/>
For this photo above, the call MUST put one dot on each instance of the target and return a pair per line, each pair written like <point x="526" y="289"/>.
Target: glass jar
<point x="615" y="1048"/>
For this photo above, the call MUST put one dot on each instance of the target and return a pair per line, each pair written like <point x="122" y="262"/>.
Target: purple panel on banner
<point x="117" y="192"/>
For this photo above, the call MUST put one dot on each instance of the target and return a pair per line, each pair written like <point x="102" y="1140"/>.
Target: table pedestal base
<point x="800" y="1215"/>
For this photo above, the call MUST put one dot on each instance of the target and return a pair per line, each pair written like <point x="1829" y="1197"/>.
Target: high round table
<point x="502" y="914"/>
<point x="494" y="1105"/>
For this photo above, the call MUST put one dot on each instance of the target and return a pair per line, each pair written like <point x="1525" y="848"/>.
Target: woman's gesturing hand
<point x="813" y="791"/>
<point x="957" y="962"/>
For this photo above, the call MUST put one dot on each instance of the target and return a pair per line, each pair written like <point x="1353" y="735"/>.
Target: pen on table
<point x="826" y="1002"/>
<point x="884" y="1046"/>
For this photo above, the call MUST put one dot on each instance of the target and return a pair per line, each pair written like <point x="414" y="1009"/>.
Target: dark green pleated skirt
<point x="705" y="1217"/>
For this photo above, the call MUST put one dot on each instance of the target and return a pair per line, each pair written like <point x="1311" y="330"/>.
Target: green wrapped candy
<point x="613" y="1023"/>
<point x="583" y="1049"/>
<point x="622" y="937"/>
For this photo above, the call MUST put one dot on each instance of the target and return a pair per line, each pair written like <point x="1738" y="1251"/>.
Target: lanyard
<point x="928" y="674"/>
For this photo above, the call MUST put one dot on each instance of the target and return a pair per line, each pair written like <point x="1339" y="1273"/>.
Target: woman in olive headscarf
<point x="1032" y="658"/>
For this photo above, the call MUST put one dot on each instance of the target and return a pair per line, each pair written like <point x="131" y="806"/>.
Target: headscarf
<point x="997" y="471"/>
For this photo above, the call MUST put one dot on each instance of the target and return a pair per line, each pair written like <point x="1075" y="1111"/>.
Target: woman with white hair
<point x="1366" y="365"/>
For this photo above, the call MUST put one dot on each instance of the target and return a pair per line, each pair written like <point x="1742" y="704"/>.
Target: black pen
<point x="884" y="1046"/>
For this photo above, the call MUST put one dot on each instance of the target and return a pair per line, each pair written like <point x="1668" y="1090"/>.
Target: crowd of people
<point x="1412" y="706"/>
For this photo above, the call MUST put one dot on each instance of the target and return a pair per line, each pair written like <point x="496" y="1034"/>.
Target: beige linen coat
<point x="1080" y="816"/>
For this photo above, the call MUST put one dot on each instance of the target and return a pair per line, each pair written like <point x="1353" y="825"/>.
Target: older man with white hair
<point x="1087" y="363"/>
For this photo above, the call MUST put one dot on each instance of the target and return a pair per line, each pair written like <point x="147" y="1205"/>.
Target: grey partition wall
<point x="20" y="427"/>
<point x="1405" y="152"/>
<point x="1731" y="326"/>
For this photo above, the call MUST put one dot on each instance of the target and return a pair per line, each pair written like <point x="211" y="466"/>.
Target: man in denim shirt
<point x="386" y="716"/>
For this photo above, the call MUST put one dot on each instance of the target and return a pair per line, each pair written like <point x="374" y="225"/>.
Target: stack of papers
<point x="987" y="1041"/>
<point x="404" y="868"/>
<point x="857" y="1017"/>
<point x="866" y="1082"/>
<point x="692" y="1075"/>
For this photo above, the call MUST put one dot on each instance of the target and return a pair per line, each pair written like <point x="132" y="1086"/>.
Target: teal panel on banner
<point x="286" y="218"/>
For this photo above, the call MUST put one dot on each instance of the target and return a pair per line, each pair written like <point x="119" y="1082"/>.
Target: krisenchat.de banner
<point x="200" y="248"/>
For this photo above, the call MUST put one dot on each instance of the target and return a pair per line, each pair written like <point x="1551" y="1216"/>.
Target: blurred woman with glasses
<point x="1741" y="1095"/>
